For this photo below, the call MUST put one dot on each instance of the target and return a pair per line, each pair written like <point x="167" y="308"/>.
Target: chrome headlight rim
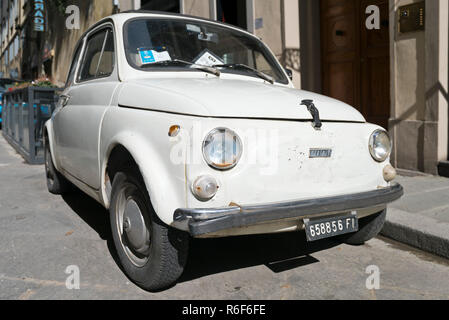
<point x="372" y="148"/>
<point x="237" y="156"/>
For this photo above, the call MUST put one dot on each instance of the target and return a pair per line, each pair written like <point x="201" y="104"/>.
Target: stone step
<point x="443" y="169"/>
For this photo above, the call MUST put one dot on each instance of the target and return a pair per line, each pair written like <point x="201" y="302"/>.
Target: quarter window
<point x="98" y="58"/>
<point x="106" y="65"/>
<point x="71" y="75"/>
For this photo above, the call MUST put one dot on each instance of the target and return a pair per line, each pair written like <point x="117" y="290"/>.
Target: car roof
<point x="124" y="16"/>
<point x="180" y="15"/>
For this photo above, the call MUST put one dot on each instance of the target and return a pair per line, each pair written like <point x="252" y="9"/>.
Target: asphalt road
<point x="41" y="235"/>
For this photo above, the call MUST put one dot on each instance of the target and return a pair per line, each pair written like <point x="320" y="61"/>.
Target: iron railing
<point x="25" y="112"/>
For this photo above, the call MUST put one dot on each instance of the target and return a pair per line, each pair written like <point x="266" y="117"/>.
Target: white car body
<point x="135" y="109"/>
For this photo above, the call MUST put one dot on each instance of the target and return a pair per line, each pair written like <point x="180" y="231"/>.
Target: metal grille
<point x="25" y="112"/>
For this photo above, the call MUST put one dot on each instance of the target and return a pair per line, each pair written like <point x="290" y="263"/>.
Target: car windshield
<point x="176" y="44"/>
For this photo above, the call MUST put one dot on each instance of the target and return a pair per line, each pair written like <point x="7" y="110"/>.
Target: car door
<point x="77" y="122"/>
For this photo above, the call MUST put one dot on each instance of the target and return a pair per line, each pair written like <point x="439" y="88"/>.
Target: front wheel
<point x="152" y="254"/>
<point x="369" y="227"/>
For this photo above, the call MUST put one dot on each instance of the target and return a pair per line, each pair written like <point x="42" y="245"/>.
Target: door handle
<point x="64" y="99"/>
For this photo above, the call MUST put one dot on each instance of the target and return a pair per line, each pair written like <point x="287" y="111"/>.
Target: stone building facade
<point x="396" y="77"/>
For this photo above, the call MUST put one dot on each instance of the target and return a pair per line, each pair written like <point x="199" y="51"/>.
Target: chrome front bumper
<point x="203" y="221"/>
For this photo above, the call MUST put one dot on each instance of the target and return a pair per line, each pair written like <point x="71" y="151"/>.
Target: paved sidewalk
<point x="421" y="217"/>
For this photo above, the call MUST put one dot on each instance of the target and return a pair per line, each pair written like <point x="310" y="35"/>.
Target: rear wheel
<point x="56" y="183"/>
<point x="152" y="254"/>
<point x="369" y="227"/>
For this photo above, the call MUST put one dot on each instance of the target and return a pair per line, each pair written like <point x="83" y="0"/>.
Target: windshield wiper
<point x="245" y="67"/>
<point x="211" y="70"/>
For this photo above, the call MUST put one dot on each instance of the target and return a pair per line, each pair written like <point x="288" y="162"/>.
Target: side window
<point x="106" y="66"/>
<point x="71" y="76"/>
<point x="98" y="58"/>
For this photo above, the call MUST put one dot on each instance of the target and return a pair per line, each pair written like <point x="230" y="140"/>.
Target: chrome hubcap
<point x="134" y="233"/>
<point x="135" y="229"/>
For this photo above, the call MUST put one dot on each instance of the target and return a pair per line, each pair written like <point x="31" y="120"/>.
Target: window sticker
<point x="148" y="56"/>
<point x="193" y="28"/>
<point x="207" y="58"/>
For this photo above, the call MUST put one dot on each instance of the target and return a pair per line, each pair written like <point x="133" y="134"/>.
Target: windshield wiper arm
<point x="208" y="69"/>
<point x="245" y="67"/>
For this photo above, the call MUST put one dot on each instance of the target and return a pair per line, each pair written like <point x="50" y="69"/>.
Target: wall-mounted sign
<point x="39" y="15"/>
<point x="412" y="17"/>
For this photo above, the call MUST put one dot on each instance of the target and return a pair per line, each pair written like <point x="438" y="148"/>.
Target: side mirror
<point x="289" y="73"/>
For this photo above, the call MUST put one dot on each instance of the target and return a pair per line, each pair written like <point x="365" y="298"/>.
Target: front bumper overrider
<point x="203" y="221"/>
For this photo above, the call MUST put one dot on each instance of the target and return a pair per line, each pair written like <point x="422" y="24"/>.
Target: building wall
<point x="56" y="44"/>
<point x="437" y="98"/>
<point x="12" y="15"/>
<point x="64" y="41"/>
<point x="419" y="71"/>
<point x="280" y="30"/>
<point x="407" y="92"/>
<point x="199" y="8"/>
<point x="291" y="49"/>
<point x="310" y="44"/>
<point x="278" y="26"/>
<point x="126" y="5"/>
<point x="271" y="32"/>
<point x="419" y="60"/>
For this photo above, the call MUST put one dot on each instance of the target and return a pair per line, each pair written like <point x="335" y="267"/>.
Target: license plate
<point x="317" y="229"/>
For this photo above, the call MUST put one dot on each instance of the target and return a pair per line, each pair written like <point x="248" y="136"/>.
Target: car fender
<point x="165" y="190"/>
<point x="52" y="142"/>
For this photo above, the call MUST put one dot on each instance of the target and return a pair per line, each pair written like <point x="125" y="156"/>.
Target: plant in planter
<point x="40" y="82"/>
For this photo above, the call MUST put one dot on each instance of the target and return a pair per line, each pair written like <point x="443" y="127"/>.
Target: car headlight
<point x="380" y="145"/>
<point x="222" y="149"/>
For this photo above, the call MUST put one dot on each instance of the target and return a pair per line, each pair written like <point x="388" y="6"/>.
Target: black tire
<point x="369" y="227"/>
<point x="56" y="183"/>
<point x="157" y="260"/>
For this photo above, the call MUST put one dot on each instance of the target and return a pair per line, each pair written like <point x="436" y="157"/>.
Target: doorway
<point x="355" y="60"/>
<point x="233" y="12"/>
<point x="160" y="5"/>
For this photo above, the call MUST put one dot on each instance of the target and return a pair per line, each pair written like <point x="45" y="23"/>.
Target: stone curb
<point x="418" y="231"/>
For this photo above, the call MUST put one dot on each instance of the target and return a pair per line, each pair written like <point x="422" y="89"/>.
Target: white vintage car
<point x="184" y="127"/>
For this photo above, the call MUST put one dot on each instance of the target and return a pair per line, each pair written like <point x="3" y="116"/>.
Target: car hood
<point x="230" y="99"/>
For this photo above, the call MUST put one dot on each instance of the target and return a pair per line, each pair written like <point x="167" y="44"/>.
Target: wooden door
<point x="375" y="62"/>
<point x="355" y="61"/>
